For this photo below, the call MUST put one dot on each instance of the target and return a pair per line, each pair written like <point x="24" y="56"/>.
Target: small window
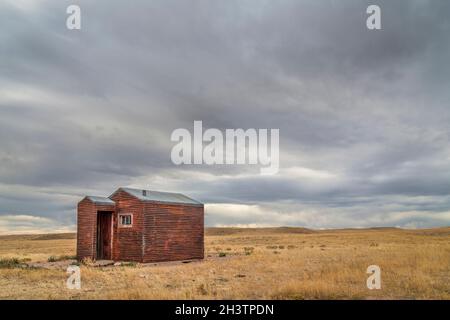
<point x="125" y="220"/>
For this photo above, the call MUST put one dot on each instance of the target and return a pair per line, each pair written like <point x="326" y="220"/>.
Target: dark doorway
<point x="104" y="235"/>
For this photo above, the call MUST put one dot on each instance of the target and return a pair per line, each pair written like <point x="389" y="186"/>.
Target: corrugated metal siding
<point x="86" y="219"/>
<point x="87" y="227"/>
<point x="173" y="232"/>
<point x="127" y="242"/>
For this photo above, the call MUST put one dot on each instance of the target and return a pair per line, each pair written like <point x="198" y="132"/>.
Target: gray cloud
<point x="363" y="115"/>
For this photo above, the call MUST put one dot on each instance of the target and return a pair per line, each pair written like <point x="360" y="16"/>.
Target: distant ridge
<point x="234" y="230"/>
<point x="223" y="231"/>
<point x="45" y="236"/>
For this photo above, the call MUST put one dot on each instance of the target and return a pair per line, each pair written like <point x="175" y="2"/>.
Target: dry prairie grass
<point x="280" y="263"/>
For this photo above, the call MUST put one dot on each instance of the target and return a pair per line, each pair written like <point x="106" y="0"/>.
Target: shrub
<point x="66" y="257"/>
<point x="88" y="262"/>
<point x="129" y="264"/>
<point x="202" y="290"/>
<point x="10" y="263"/>
<point x="248" y="250"/>
<point x="60" y="258"/>
<point x="222" y="254"/>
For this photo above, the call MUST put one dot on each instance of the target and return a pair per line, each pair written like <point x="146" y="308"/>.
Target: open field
<point x="279" y="263"/>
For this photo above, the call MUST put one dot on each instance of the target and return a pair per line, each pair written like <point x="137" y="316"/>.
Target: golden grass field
<point x="279" y="263"/>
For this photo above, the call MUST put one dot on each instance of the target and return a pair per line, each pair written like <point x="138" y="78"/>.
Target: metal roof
<point x="101" y="200"/>
<point x="157" y="196"/>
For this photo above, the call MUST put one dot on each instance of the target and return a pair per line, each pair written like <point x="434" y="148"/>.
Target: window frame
<point x="125" y="225"/>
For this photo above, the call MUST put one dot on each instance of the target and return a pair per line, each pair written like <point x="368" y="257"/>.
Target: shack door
<point x="104" y="229"/>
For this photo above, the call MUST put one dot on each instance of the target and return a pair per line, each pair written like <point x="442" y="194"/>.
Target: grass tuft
<point x="11" y="263"/>
<point x="60" y="258"/>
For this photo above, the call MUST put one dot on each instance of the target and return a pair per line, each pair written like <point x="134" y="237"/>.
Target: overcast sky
<point x="364" y="116"/>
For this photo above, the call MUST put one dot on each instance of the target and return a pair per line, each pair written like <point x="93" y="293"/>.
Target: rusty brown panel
<point x="86" y="222"/>
<point x="173" y="232"/>
<point x="127" y="244"/>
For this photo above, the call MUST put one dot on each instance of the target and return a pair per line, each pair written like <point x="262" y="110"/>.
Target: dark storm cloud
<point x="363" y="115"/>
